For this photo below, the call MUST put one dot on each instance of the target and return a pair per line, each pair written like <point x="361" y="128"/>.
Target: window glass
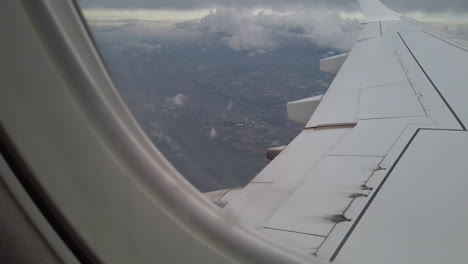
<point x="209" y="80"/>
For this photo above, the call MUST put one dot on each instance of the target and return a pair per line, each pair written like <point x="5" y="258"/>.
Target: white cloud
<point x="328" y="54"/>
<point x="241" y="29"/>
<point x="229" y="106"/>
<point x="178" y="100"/>
<point x="257" y="52"/>
<point x="191" y="7"/>
<point x="244" y="29"/>
<point x="213" y="133"/>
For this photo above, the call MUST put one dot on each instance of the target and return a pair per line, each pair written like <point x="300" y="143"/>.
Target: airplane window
<point x="209" y="85"/>
<point x="209" y="81"/>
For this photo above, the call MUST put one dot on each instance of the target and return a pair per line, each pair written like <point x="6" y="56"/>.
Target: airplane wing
<point x="379" y="174"/>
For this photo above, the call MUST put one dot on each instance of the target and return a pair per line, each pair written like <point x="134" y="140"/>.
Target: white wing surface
<point x="380" y="172"/>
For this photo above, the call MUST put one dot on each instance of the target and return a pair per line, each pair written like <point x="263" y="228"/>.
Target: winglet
<point x="374" y="10"/>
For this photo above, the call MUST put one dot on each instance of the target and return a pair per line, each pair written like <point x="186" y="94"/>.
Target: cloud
<point x="178" y="100"/>
<point x="213" y="133"/>
<point x="257" y="52"/>
<point x="328" y="54"/>
<point x="229" y="106"/>
<point x="278" y="5"/>
<point x="241" y="29"/>
<point x="429" y="6"/>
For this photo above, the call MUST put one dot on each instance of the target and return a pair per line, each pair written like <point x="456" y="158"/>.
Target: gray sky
<point x="241" y="25"/>
<point x="427" y="6"/>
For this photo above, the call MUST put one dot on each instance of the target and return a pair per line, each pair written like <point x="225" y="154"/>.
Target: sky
<point x="453" y="9"/>
<point x="429" y="6"/>
<point x="264" y="25"/>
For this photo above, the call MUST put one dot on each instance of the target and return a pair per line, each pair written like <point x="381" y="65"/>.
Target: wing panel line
<point x="358" y="219"/>
<point x="452" y="44"/>
<point x="291" y="231"/>
<point x="433" y="84"/>
<point x="463" y="129"/>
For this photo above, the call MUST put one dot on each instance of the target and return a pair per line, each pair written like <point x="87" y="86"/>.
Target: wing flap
<point x="376" y="137"/>
<point x="305" y="210"/>
<point x="380" y="102"/>
<point x="339" y="106"/>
